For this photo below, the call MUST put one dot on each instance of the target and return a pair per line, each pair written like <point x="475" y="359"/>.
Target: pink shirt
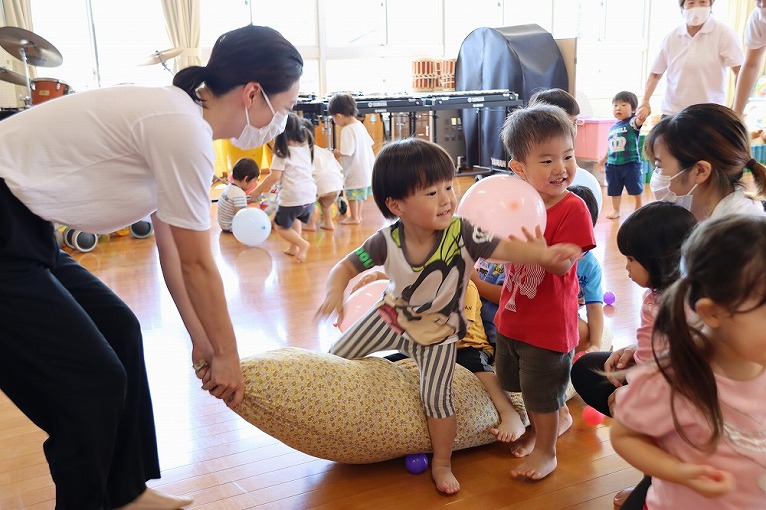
<point x="643" y="405"/>
<point x="649" y="309"/>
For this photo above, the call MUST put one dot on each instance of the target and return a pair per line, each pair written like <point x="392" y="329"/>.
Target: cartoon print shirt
<point x="437" y="285"/>
<point x="623" y="142"/>
<point x="538" y="307"/>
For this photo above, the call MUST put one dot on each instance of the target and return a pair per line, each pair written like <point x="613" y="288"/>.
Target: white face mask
<point x="253" y="137"/>
<point x="660" y="186"/>
<point x="696" y="16"/>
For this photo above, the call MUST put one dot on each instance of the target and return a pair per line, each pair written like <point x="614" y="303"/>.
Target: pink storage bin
<point x="592" y="133"/>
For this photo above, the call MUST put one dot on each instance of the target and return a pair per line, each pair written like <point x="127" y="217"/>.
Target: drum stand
<point x="28" y="98"/>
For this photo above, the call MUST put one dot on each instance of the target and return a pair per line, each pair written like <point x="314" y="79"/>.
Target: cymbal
<point x="12" y="77"/>
<point x="39" y="51"/>
<point x="161" y="56"/>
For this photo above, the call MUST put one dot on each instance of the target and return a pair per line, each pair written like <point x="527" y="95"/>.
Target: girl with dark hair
<point x="427" y="254"/>
<point x="73" y="349"/>
<point x="650" y="239"/>
<point x="291" y="170"/>
<point x="693" y="419"/>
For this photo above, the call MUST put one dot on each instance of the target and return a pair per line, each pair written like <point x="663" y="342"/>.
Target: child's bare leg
<point x="510" y="428"/>
<point x="442" y="431"/>
<point x="299" y="247"/>
<point x="615" y="207"/>
<point x="355" y="213"/>
<point x="542" y="460"/>
<point x="638" y="201"/>
<point x="326" y="202"/>
<point x="565" y="419"/>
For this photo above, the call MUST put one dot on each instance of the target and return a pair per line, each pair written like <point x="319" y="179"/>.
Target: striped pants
<point x="436" y="362"/>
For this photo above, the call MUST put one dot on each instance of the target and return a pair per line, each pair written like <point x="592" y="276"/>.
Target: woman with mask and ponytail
<point x="699" y="156"/>
<point x="97" y="161"/>
<point x="694" y="58"/>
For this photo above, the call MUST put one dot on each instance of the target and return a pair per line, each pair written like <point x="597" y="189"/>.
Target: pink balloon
<point x="361" y="301"/>
<point x="502" y="204"/>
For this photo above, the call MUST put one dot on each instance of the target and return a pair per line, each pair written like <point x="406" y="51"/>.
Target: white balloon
<point x="251" y="226"/>
<point x="585" y="178"/>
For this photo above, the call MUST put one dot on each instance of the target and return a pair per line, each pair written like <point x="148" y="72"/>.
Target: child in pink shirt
<point x="694" y="421"/>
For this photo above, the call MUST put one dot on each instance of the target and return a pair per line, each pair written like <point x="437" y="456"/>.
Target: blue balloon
<point x="251" y="226"/>
<point x="416" y="463"/>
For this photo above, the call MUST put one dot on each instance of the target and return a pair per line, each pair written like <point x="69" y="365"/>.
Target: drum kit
<point x="34" y="50"/>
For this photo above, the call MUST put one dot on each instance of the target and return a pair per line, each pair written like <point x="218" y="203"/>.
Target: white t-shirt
<point x="328" y="174"/>
<point x="296" y="185"/>
<point x="103" y="159"/>
<point x="696" y="67"/>
<point x="755" y="31"/>
<point x="357" y="157"/>
<point x="737" y="203"/>
<point x="231" y="200"/>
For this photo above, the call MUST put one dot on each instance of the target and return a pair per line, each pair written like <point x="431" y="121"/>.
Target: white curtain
<point x="182" y="23"/>
<point x="18" y="13"/>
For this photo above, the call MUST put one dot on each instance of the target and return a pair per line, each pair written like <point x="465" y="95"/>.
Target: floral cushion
<point x="356" y="411"/>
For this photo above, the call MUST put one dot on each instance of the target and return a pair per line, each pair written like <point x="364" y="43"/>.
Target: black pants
<point x="593" y="387"/>
<point x="72" y="360"/>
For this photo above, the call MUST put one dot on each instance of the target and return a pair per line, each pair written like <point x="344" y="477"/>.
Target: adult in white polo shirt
<point x="694" y="59"/>
<point x="755" y="46"/>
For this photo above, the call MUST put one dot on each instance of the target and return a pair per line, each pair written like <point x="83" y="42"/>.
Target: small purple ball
<point x="609" y="297"/>
<point x="416" y="463"/>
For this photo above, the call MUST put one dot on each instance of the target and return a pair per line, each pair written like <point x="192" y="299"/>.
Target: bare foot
<point x="524" y="445"/>
<point x="444" y="479"/>
<point x="614" y="215"/>
<point x="565" y="420"/>
<point x="536" y="467"/>
<point x="309" y="227"/>
<point x="510" y="429"/>
<point x="331" y="226"/>
<point x="151" y="499"/>
<point x="302" y="251"/>
<point x="292" y="250"/>
<point x="350" y="221"/>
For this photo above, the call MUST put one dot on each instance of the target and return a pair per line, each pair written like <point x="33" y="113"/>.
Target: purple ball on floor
<point x="609" y="297"/>
<point x="416" y="463"/>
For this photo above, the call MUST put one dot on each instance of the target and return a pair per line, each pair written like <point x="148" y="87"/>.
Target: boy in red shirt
<point x="537" y="315"/>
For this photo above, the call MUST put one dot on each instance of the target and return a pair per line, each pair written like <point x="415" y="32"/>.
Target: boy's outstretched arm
<point x="557" y="259"/>
<point x="337" y="281"/>
<point x="643" y="454"/>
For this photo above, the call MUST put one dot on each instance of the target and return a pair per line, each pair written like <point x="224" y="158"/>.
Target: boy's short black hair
<point x="556" y="97"/>
<point x="245" y="168"/>
<point x="344" y="104"/>
<point x="627" y="96"/>
<point x="588" y="197"/>
<point x="525" y="128"/>
<point x="404" y="166"/>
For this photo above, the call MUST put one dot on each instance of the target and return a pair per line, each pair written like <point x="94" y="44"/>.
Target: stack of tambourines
<point x="433" y="74"/>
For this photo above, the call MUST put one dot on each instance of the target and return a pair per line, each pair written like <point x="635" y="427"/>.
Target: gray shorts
<point x="542" y="376"/>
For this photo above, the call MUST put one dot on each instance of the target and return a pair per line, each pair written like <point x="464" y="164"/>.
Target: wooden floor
<point x="223" y="462"/>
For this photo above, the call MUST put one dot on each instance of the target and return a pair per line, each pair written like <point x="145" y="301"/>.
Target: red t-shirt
<point x="538" y="307"/>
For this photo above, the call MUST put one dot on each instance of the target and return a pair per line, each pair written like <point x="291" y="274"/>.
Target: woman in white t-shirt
<point x="695" y="58"/>
<point x="97" y="161"/>
<point x="292" y="167"/>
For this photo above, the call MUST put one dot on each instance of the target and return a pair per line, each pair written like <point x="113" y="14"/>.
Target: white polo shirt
<point x="755" y="31"/>
<point x="696" y="67"/>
